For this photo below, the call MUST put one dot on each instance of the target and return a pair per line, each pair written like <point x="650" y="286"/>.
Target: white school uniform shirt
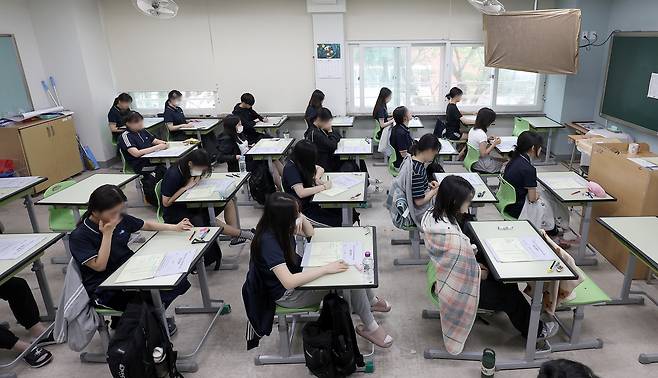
<point x="476" y="136"/>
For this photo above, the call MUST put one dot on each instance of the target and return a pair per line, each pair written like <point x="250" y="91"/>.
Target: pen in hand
<point x="192" y="236"/>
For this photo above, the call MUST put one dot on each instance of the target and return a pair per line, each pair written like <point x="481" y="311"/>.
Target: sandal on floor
<point x="377" y="337"/>
<point x="381" y="306"/>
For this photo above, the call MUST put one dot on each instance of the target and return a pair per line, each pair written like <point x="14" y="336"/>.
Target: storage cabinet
<point x="47" y="148"/>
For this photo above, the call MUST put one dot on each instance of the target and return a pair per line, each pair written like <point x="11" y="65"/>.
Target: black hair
<point x="453" y="192"/>
<point x="316" y="99"/>
<point x="305" y="157"/>
<point x="279" y="216"/>
<point x="381" y="101"/>
<point x="105" y="197"/>
<point x="484" y="119"/>
<point x="122" y="97"/>
<point x="324" y="115"/>
<point x="132" y="116"/>
<point x="563" y="368"/>
<point x="230" y="124"/>
<point x="399" y="113"/>
<point x="526" y="141"/>
<point x="248" y="99"/>
<point x="454" y="92"/>
<point x="198" y="157"/>
<point x="428" y="141"/>
<point x="173" y="94"/>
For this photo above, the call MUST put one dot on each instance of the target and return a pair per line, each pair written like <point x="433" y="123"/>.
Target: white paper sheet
<point x="200" y="192"/>
<point x="334" y="191"/>
<point x="558" y="183"/>
<point x="473" y="178"/>
<point x="643" y="163"/>
<point x="520" y="249"/>
<point x="507" y="143"/>
<point x="15" y="182"/>
<point x="171" y="151"/>
<point x="13" y="247"/>
<point x="345" y="181"/>
<point x="140" y="268"/>
<point x="176" y="262"/>
<point x="653" y="86"/>
<point x="323" y="253"/>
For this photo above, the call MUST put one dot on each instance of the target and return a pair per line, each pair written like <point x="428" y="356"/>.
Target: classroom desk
<point x="571" y="189"/>
<point x="415" y="123"/>
<point x="513" y="272"/>
<point x="544" y="124"/>
<point x="200" y="127"/>
<point x="354" y="148"/>
<point x="175" y="151"/>
<point x="468" y="119"/>
<point x="12" y="188"/>
<point x="638" y="234"/>
<point x="162" y="243"/>
<point x="151" y="124"/>
<point x="343" y="123"/>
<point x="352" y="278"/>
<point x="483" y="194"/>
<point x="507" y="144"/>
<point x="270" y="149"/>
<point x="573" y="139"/>
<point x="272" y="124"/>
<point x="354" y="196"/>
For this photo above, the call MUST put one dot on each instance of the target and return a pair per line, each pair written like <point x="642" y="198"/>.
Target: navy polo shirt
<point x="115" y="115"/>
<point x="85" y="242"/>
<point x="271" y="256"/>
<point x="382" y="112"/>
<point x="173" y="180"/>
<point x="522" y="175"/>
<point x="400" y="141"/>
<point x="139" y="139"/>
<point x="291" y="177"/>
<point x="174" y="115"/>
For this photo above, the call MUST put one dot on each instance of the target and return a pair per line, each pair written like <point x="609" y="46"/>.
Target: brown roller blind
<point x="544" y="41"/>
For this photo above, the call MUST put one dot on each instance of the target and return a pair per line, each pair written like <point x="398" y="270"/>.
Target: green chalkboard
<point x="14" y="93"/>
<point x="633" y="58"/>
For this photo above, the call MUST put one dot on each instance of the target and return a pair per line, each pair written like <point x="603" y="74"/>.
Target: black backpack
<point x="261" y="184"/>
<point x="330" y="346"/>
<point x="439" y="128"/>
<point x="130" y="353"/>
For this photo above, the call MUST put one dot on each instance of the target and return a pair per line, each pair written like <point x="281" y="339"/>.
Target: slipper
<point x="381" y="306"/>
<point x="377" y="337"/>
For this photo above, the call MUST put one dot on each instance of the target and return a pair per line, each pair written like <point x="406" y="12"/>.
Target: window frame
<point x="188" y="110"/>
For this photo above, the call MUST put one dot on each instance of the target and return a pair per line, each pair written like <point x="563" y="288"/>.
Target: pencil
<point x="191" y="236"/>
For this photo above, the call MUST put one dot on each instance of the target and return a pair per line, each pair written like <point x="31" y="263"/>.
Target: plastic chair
<point x="378" y="127"/>
<point x="104" y="333"/>
<point x="520" y="125"/>
<point x="472" y="156"/>
<point x="60" y="219"/>
<point x="392" y="158"/>
<point x="506" y="195"/>
<point x="126" y="168"/>
<point x="158" y="194"/>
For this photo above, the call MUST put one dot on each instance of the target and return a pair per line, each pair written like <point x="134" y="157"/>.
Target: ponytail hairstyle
<point x="132" y="117"/>
<point x="122" y="97"/>
<point x="399" y="113"/>
<point x="426" y="142"/>
<point x="305" y="157"/>
<point x="198" y="157"/>
<point x="454" y="92"/>
<point x="281" y="212"/>
<point x="384" y="93"/>
<point x="105" y="197"/>
<point x="484" y="119"/>
<point x="453" y="192"/>
<point x="316" y="99"/>
<point x="525" y="142"/>
<point x="172" y="95"/>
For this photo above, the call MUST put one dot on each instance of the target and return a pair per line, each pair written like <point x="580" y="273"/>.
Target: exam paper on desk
<point x="140" y="268"/>
<point x="176" y="262"/>
<point x="323" y="253"/>
<point x="171" y="151"/>
<point x="520" y="249"/>
<point x="15" y="182"/>
<point x="565" y="183"/>
<point x="12" y="247"/>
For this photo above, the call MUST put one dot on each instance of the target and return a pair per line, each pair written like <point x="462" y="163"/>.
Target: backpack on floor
<point x="130" y="353"/>
<point x="261" y="184"/>
<point x="330" y="347"/>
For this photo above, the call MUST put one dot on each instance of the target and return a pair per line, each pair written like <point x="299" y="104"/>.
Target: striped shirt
<point x="419" y="182"/>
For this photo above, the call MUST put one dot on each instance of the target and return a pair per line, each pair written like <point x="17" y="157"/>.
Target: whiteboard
<point x="14" y="96"/>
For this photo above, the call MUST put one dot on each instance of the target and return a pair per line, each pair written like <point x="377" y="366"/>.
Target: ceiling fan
<point x="163" y="9"/>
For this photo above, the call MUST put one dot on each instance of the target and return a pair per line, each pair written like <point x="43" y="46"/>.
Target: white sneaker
<point x="549" y="330"/>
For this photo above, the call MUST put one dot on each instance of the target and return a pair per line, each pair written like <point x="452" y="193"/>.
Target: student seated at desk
<point x="99" y="245"/>
<point x="302" y="178"/>
<point x="274" y="261"/>
<point x="249" y="117"/>
<point x="380" y="112"/>
<point x="314" y="106"/>
<point x="185" y="175"/>
<point x="325" y="139"/>
<point x="174" y="118"/>
<point x="136" y="142"/>
<point x="477" y="138"/>
<point x="17" y="292"/>
<point x="453" y="116"/>
<point x="231" y="143"/>
<point x="460" y="271"/>
<point x="401" y="139"/>
<point x="118" y="111"/>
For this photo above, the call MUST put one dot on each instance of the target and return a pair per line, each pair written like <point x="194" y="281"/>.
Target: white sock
<point x="372" y="326"/>
<point x="373" y="300"/>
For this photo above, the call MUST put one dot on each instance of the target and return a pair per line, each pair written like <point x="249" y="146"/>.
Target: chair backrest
<point x="158" y="194"/>
<point x="430" y="277"/>
<point x="125" y="167"/>
<point x="472" y="156"/>
<point x="58" y="187"/>
<point x="506" y="195"/>
<point x="520" y="125"/>
<point x="60" y="219"/>
<point x="392" y="158"/>
<point x="375" y="132"/>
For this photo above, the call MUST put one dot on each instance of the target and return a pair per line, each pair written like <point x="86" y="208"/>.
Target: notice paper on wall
<point x="13" y="247"/>
<point x="323" y="253"/>
<point x="653" y="86"/>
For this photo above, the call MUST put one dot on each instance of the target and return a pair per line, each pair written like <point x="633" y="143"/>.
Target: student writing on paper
<point x="99" y="245"/>
<point x="478" y="139"/>
<point x="184" y="176"/>
<point x="463" y="278"/>
<point x="249" y="117"/>
<point x="174" y="117"/>
<point x="325" y="139"/>
<point x="275" y="273"/>
<point x="400" y="138"/>
<point x="313" y="107"/>
<point x="118" y="111"/>
<point x="380" y="112"/>
<point x="302" y="178"/>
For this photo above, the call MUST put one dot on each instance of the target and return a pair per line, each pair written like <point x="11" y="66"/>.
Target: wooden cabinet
<point x="47" y="148"/>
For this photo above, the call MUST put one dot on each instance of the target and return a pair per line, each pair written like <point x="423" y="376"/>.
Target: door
<point x="66" y="151"/>
<point x="39" y="153"/>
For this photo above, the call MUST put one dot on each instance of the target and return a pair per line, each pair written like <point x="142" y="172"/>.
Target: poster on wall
<point x="329" y="62"/>
<point x="328" y="51"/>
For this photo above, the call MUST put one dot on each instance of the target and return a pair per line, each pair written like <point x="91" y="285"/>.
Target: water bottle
<point x="159" y="359"/>
<point x="368" y="267"/>
<point x="242" y="164"/>
<point x="488" y="363"/>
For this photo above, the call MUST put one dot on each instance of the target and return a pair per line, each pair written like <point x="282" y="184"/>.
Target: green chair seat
<point x="472" y="156"/>
<point x="520" y="125"/>
<point x="587" y="293"/>
<point x="506" y="195"/>
<point x="126" y="168"/>
<point x="429" y="284"/>
<point x="375" y="132"/>
<point x="107" y="312"/>
<point x="392" y="158"/>
<point x="287" y="311"/>
<point x="60" y="219"/>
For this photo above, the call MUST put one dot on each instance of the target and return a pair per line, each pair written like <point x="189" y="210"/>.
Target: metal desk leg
<point x="67" y="257"/>
<point x="207" y="302"/>
<point x="198" y="135"/>
<point x="226" y="263"/>
<point x="347" y="216"/>
<point x="624" y="295"/>
<point x="573" y="156"/>
<point x="548" y="146"/>
<point x="581" y="256"/>
<point x="37" y="268"/>
<point x="29" y="205"/>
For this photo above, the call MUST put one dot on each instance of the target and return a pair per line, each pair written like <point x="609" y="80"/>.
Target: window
<point x="420" y="74"/>
<point x="154" y="101"/>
